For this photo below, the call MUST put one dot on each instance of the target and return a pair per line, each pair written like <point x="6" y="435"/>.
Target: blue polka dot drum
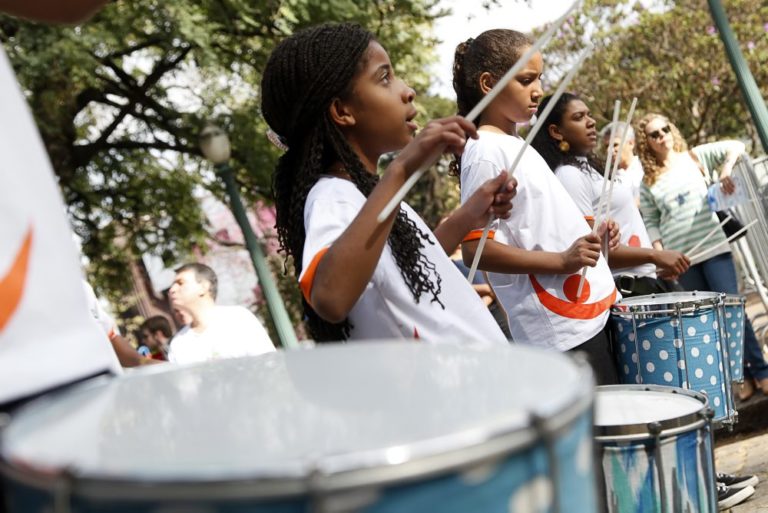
<point x="655" y="447"/>
<point x="677" y="340"/>
<point x="374" y="427"/>
<point x="734" y="334"/>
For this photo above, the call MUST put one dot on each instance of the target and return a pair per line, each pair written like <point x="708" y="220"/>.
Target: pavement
<point x="744" y="457"/>
<point x="744" y="450"/>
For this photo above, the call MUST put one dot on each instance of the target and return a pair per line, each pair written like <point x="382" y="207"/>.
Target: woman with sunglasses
<point x="673" y="201"/>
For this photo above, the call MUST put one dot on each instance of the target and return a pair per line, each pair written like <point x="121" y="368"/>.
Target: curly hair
<point x="493" y="51"/>
<point x="304" y="74"/>
<point x="548" y="147"/>
<point x="651" y="166"/>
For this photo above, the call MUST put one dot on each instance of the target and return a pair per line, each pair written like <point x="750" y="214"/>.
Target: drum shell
<point x="734" y="334"/>
<point x="684" y="448"/>
<point x="677" y="340"/>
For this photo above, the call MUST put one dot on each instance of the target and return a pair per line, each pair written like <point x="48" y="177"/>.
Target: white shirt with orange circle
<point x="542" y="308"/>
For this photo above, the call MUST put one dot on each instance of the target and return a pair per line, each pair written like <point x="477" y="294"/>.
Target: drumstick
<point x="598" y="212"/>
<point x="616" y="161"/>
<point x="698" y="256"/>
<point x="615" y="170"/>
<point x="710" y="234"/>
<point x="608" y="161"/>
<point x="697" y="246"/>
<point x="531" y="134"/>
<point x="477" y="110"/>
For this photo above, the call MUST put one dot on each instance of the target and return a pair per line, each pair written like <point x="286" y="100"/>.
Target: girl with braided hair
<point x="567" y="142"/>
<point x="535" y="256"/>
<point x="331" y="94"/>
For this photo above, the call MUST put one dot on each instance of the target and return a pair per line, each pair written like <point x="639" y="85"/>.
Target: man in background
<point x="214" y="331"/>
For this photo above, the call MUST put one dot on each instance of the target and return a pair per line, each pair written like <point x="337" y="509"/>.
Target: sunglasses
<point x="658" y="134"/>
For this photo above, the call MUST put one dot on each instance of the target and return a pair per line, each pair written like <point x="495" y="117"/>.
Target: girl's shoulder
<point x="333" y="186"/>
<point x="331" y="189"/>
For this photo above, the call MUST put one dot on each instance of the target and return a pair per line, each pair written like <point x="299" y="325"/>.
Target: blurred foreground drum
<point x="656" y="449"/>
<point x="676" y="339"/>
<point x="734" y="334"/>
<point x="374" y="427"/>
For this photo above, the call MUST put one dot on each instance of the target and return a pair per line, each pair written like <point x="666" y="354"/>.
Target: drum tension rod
<point x="654" y="428"/>
<point x="539" y="424"/>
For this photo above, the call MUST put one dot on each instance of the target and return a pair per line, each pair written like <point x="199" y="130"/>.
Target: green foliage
<point x="120" y="101"/>
<point x="671" y="58"/>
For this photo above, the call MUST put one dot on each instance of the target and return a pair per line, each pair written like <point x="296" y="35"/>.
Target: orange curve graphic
<point x="12" y="284"/>
<point x="563" y="308"/>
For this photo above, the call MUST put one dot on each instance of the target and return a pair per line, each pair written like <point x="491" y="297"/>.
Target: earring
<point x="564" y="146"/>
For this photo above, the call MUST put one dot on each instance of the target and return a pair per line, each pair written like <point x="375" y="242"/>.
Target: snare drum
<point x="366" y="428"/>
<point x="676" y="339"/>
<point x="656" y="448"/>
<point x="734" y="334"/>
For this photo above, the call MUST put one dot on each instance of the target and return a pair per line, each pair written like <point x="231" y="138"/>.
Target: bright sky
<point x="469" y="20"/>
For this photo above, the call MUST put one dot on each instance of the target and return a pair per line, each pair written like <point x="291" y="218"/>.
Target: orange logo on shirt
<point x="572" y="309"/>
<point x="634" y="242"/>
<point x="12" y="284"/>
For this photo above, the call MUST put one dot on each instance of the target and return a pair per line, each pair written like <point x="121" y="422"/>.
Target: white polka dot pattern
<point x="666" y="344"/>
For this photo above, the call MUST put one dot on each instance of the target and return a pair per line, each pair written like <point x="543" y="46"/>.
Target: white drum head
<point x="287" y="414"/>
<point x="621" y="407"/>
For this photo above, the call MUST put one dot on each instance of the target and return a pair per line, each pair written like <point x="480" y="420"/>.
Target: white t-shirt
<point x="632" y="176"/>
<point x="233" y="331"/>
<point x="544" y="218"/>
<point x="585" y="188"/>
<point x="387" y="307"/>
<point x="48" y="338"/>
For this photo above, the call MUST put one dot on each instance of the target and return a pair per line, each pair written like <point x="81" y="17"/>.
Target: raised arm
<point x="344" y="270"/>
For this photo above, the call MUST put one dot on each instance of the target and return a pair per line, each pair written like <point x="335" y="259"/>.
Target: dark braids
<point x="303" y="75"/>
<point x="493" y="51"/>
<point x="549" y="148"/>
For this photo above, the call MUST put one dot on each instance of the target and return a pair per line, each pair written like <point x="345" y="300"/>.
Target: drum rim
<point x="668" y="427"/>
<point x="493" y="446"/>
<point x="698" y="299"/>
<point x="734" y="300"/>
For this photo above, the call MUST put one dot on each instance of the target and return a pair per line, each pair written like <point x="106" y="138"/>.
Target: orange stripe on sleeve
<point x="589" y="218"/>
<point x="308" y="279"/>
<point x="477" y="234"/>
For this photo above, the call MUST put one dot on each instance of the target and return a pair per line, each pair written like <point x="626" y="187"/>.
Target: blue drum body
<point x="676" y="340"/>
<point x="656" y="450"/>
<point x="427" y="428"/>
<point x="734" y="334"/>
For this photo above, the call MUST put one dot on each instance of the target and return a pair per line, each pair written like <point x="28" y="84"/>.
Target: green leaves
<point x="672" y="59"/>
<point x="120" y="101"/>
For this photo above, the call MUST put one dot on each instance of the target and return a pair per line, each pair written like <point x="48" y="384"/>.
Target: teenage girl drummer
<point x="331" y="94"/>
<point x="537" y="253"/>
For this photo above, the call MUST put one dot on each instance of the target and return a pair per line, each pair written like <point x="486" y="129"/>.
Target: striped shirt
<point x="676" y="212"/>
<point x="713" y="155"/>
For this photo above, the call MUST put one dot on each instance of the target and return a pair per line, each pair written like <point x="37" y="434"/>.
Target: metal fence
<point x="752" y="250"/>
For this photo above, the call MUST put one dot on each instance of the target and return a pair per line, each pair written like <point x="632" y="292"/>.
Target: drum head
<point x="631" y="408"/>
<point x="286" y="415"/>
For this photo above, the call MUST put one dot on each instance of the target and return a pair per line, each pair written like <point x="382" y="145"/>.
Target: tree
<point x="121" y="99"/>
<point x="669" y="56"/>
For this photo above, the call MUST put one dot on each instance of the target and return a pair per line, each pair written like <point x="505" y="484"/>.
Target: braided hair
<point x="548" y="147"/>
<point x="493" y="51"/>
<point x="304" y="74"/>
